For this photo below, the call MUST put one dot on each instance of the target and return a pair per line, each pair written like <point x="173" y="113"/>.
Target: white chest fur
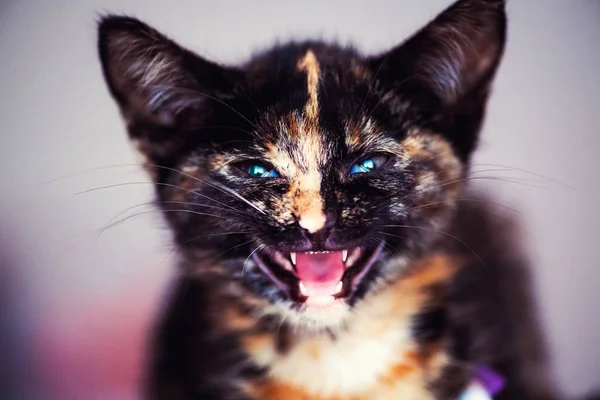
<point x="346" y="365"/>
<point x="355" y="363"/>
<point x="374" y="357"/>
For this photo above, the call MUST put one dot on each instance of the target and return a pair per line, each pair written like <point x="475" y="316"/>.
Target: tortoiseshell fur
<point x="447" y="292"/>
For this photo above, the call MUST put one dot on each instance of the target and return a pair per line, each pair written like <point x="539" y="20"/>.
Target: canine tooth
<point x="302" y="288"/>
<point x="293" y="258"/>
<point x="344" y="255"/>
<point x="339" y="286"/>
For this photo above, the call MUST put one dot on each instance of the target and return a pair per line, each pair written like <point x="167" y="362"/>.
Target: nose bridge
<point x="308" y="202"/>
<point x="311" y="215"/>
<point x="314" y="209"/>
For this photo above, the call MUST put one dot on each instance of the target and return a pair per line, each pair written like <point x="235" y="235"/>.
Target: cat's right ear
<point x="448" y="67"/>
<point x="164" y="91"/>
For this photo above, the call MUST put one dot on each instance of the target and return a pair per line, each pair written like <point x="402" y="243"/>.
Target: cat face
<point x="311" y="174"/>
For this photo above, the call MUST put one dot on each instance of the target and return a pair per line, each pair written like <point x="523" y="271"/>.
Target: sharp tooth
<point x="293" y="258"/>
<point x="339" y="287"/>
<point x="344" y="255"/>
<point x="302" y="289"/>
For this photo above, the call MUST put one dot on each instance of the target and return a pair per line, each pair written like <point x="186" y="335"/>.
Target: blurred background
<point x="75" y="305"/>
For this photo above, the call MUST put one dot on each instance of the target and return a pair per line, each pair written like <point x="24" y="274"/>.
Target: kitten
<point x="314" y="196"/>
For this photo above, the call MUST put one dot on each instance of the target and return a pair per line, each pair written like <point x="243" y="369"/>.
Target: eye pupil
<point x="365" y="166"/>
<point x="256" y="170"/>
<point x="368" y="165"/>
<point x="259" y="171"/>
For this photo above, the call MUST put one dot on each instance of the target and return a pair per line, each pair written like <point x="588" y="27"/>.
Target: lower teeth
<point x="304" y="290"/>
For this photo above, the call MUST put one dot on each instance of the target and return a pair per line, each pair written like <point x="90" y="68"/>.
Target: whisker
<point x="215" y="99"/>
<point x="443" y="233"/>
<point x="373" y="84"/>
<point x="216" y="257"/>
<point x="154" y="203"/>
<point x="231" y="248"/>
<point x="214" y="234"/>
<point x="214" y="184"/>
<point x="151" y="212"/>
<point x="76" y="240"/>
<point x="250" y="100"/>
<point x="452" y="181"/>
<point x="531" y="173"/>
<point x="503" y="168"/>
<point x="228" y="233"/>
<point x="401" y="237"/>
<point x="386" y="243"/>
<point x="155" y="183"/>
<point x="374" y="79"/>
<point x="247" y="258"/>
<point x="464" y="177"/>
<point x="389" y="234"/>
<point x="465" y="199"/>
<point x="500" y="179"/>
<point x="86" y="171"/>
<point x="381" y="99"/>
<point x="470" y="174"/>
<point x="239" y="196"/>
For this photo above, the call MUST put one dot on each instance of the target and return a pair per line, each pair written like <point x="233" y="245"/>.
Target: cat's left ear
<point x="165" y="92"/>
<point x="448" y="67"/>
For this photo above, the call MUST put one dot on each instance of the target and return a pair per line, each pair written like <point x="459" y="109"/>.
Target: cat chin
<point x="312" y="318"/>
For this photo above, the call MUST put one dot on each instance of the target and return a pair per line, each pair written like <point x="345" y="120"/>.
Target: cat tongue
<point x="320" y="273"/>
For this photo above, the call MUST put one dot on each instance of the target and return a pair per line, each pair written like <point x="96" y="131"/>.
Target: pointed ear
<point x="451" y="63"/>
<point x="162" y="89"/>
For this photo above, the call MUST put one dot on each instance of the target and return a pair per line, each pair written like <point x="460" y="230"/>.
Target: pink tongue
<point x="320" y="273"/>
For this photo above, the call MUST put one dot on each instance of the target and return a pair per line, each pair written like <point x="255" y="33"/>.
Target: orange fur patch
<point x="439" y="167"/>
<point x="354" y="132"/>
<point x="282" y="391"/>
<point x="308" y="207"/>
<point x="413" y="148"/>
<point x="397" y="373"/>
<point x="381" y="319"/>
<point x="303" y="198"/>
<point x="429" y="271"/>
<point x="237" y="321"/>
<point x="310" y="65"/>
<point x="432" y="148"/>
<point x="259" y="343"/>
<point x="186" y="183"/>
<point x="314" y="351"/>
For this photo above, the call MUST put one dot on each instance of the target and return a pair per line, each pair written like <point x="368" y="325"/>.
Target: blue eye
<point x="260" y="171"/>
<point x="368" y="165"/>
<point x="364" y="166"/>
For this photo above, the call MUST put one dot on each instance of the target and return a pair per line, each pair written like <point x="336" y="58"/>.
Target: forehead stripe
<point x="310" y="65"/>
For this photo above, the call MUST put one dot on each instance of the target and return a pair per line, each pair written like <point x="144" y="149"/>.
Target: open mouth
<point x="318" y="277"/>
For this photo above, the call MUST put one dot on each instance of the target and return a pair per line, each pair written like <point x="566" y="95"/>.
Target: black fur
<point x="425" y="97"/>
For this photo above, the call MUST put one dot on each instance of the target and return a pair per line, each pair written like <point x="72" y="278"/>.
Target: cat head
<point x="311" y="173"/>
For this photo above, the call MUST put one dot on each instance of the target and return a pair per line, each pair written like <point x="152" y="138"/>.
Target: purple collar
<point x="489" y="379"/>
<point x="485" y="384"/>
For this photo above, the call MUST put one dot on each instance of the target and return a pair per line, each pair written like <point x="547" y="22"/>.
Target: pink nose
<point x="312" y="222"/>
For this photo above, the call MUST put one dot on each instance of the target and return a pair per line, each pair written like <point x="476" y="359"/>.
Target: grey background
<point x="56" y="119"/>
